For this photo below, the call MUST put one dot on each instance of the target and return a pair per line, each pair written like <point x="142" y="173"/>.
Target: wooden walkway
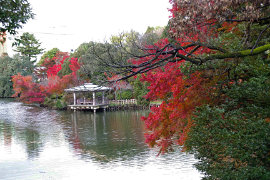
<point x="123" y="101"/>
<point x="113" y="105"/>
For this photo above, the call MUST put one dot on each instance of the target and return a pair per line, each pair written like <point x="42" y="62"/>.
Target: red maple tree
<point x="30" y="92"/>
<point x="27" y="91"/>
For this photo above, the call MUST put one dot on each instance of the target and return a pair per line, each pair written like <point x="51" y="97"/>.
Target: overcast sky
<point x="66" y="24"/>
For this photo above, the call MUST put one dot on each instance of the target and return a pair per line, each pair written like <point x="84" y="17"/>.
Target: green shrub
<point x="55" y="102"/>
<point x="140" y="90"/>
<point x="60" y="104"/>
<point x="125" y="94"/>
<point x="230" y="144"/>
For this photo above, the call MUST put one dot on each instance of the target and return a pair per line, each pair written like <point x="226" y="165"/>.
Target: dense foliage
<point x="13" y="14"/>
<point x="9" y="67"/>
<point x="91" y="69"/>
<point x="27" y="90"/>
<point x="212" y="75"/>
<point x="231" y="138"/>
<point x="219" y="110"/>
<point x="140" y="90"/>
<point x="28" y="46"/>
<point x="191" y="17"/>
<point x="48" y="54"/>
<point x="49" y="87"/>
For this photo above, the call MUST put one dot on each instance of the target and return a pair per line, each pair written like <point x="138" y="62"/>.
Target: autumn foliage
<point x="179" y="92"/>
<point x="200" y="16"/>
<point x="27" y="90"/>
<point x="169" y="123"/>
<point x="173" y="82"/>
<point x="57" y="84"/>
<point x="30" y="92"/>
<point x="213" y="86"/>
<point x="116" y="85"/>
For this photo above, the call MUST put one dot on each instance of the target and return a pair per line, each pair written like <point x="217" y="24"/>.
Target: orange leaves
<point x="229" y="27"/>
<point x="26" y="90"/>
<point x="161" y="81"/>
<point x="30" y="92"/>
<point x="20" y="83"/>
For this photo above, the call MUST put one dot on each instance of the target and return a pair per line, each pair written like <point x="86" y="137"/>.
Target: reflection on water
<point x="37" y="143"/>
<point x="107" y="136"/>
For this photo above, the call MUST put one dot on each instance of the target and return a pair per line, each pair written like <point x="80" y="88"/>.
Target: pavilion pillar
<point x="103" y="97"/>
<point x="74" y="98"/>
<point x="94" y="98"/>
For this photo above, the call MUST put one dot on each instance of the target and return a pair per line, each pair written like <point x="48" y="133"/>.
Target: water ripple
<point x="37" y="143"/>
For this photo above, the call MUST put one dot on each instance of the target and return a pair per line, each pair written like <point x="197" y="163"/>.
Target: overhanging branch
<point x="238" y="54"/>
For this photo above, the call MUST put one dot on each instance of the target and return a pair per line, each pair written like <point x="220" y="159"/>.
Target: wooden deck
<point x="86" y="104"/>
<point x="88" y="107"/>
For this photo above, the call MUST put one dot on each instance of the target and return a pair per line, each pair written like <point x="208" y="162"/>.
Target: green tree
<point x="28" y="46"/>
<point x="13" y="14"/>
<point x="152" y="34"/>
<point x="94" y="55"/>
<point x="65" y="68"/>
<point x="48" y="54"/>
<point x="9" y="67"/>
<point x="81" y="50"/>
<point x="90" y="59"/>
<point x="139" y="91"/>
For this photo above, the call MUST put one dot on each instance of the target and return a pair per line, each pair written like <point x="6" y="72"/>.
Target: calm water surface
<point x="36" y="143"/>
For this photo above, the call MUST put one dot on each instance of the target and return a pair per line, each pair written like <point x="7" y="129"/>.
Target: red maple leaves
<point x="181" y="94"/>
<point x="30" y="92"/>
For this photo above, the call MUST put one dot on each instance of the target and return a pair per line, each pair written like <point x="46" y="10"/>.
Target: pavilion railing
<point x="123" y="102"/>
<point x="98" y="101"/>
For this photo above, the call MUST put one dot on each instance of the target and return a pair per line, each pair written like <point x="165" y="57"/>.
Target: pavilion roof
<point x="87" y="87"/>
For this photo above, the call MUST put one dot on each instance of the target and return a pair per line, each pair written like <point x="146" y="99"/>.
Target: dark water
<point x="36" y="143"/>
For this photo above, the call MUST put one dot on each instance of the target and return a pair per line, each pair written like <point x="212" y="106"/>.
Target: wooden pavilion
<point x="87" y="103"/>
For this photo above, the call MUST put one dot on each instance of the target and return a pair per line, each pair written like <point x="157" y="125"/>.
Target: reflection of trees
<point x="107" y="136"/>
<point x="29" y="137"/>
<point x="102" y="136"/>
<point x="7" y="133"/>
<point x="33" y="143"/>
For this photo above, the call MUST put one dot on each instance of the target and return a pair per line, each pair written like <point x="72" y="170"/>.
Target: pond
<point x="37" y="143"/>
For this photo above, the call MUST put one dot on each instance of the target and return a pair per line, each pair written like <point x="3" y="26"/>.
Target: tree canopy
<point x="196" y="30"/>
<point x="9" y="67"/>
<point x="13" y="14"/>
<point x="28" y="46"/>
<point x="212" y="75"/>
<point x="48" y="54"/>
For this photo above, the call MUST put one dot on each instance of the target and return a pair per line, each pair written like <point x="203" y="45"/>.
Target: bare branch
<point x="258" y="39"/>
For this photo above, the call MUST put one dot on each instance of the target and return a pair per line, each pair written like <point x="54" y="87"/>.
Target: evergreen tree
<point x="9" y="67"/>
<point x="28" y="46"/>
